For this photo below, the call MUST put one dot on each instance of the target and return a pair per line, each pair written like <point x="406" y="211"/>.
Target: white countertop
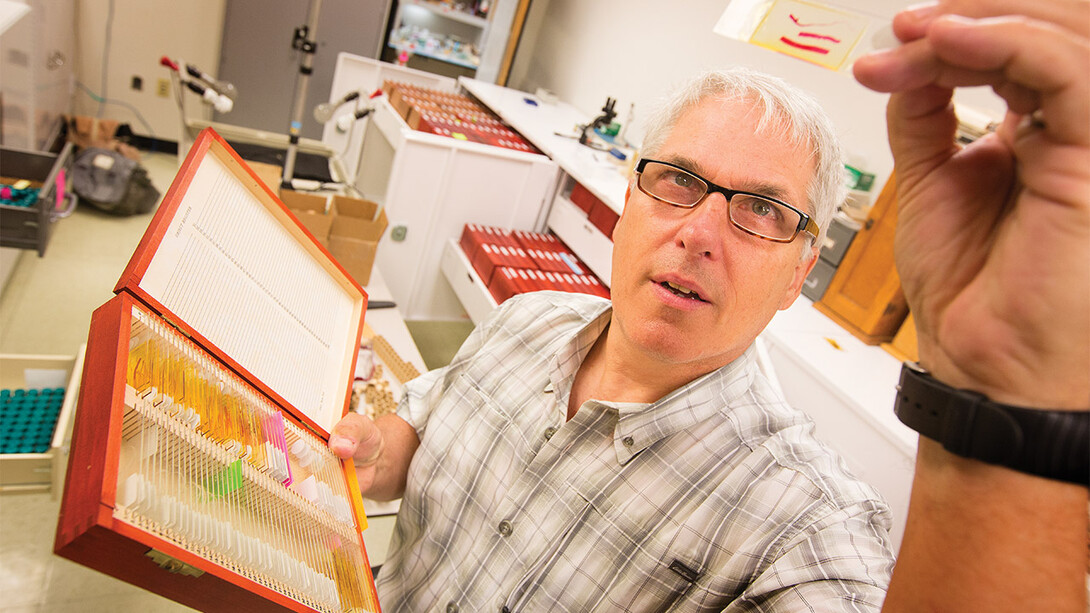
<point x="539" y="122"/>
<point x="863" y="376"/>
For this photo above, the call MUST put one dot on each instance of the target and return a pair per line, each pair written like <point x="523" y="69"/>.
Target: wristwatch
<point x="1047" y="443"/>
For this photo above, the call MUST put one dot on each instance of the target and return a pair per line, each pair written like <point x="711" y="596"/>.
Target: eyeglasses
<point x="755" y="214"/>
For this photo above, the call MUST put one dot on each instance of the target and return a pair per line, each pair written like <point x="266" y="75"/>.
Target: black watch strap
<point x="1047" y="443"/>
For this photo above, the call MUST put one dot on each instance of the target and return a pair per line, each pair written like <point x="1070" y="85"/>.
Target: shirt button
<point x="452" y="607"/>
<point x="505" y="528"/>
<point x="549" y="432"/>
<point x="504" y="609"/>
<point x="627" y="441"/>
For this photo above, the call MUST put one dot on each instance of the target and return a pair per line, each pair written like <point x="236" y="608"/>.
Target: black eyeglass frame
<point x="806" y="223"/>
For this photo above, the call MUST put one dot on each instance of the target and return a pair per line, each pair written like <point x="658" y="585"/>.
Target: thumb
<point x="357" y="438"/>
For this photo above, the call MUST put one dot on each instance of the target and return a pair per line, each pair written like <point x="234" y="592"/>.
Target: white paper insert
<point x="231" y="271"/>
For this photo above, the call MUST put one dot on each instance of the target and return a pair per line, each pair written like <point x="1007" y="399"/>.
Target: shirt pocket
<point x="468" y="453"/>
<point x="642" y="559"/>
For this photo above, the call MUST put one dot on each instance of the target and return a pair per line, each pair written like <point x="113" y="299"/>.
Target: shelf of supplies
<point x="450" y="59"/>
<point x="448" y="13"/>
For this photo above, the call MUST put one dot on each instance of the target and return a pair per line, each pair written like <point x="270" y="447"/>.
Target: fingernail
<point x="342" y="442"/>
<point x="921" y="11"/>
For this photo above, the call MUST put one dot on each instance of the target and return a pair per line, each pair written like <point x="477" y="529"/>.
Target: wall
<point x="142" y="32"/>
<point x="636" y="50"/>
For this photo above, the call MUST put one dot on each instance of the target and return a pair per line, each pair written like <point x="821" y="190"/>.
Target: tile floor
<point x="46" y="308"/>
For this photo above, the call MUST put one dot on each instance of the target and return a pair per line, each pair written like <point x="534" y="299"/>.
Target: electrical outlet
<point x="162" y="88"/>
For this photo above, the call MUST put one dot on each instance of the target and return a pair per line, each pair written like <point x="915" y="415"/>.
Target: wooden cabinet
<point x="865" y="295"/>
<point x="905" y="345"/>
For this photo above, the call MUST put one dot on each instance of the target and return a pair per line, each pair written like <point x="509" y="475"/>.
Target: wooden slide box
<point x="198" y="468"/>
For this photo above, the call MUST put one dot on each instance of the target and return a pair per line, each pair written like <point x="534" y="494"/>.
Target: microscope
<point x="606" y="118"/>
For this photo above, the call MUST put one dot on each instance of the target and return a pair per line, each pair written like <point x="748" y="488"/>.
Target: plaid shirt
<point x="715" y="498"/>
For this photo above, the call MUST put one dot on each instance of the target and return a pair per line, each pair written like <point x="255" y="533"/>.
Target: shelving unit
<point x="572" y="226"/>
<point x="442" y="10"/>
<point x="538" y="122"/>
<point x="435" y="31"/>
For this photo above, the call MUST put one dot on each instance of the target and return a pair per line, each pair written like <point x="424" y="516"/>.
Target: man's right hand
<point x="357" y="438"/>
<point x="381" y="451"/>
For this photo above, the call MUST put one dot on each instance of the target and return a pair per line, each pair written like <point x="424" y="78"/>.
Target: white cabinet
<point x="466" y="283"/>
<point x="571" y="225"/>
<point x="543" y="123"/>
<point x="431" y="187"/>
<point x="363" y="76"/>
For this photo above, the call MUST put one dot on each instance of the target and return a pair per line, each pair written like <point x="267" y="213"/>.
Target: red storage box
<point x="603" y="218"/>
<point x="489" y="257"/>
<point x="503" y="285"/>
<point x="473" y="236"/>
<point x="583" y="199"/>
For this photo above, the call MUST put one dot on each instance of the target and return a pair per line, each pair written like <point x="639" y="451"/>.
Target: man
<point x="526" y="489"/>
<point x="575" y="456"/>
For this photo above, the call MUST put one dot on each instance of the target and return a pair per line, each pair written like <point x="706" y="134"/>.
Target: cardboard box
<point x="270" y="174"/>
<point x="312" y="211"/>
<point x="354" y="234"/>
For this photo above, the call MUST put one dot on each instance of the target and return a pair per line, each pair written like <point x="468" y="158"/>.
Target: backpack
<point x="112" y="182"/>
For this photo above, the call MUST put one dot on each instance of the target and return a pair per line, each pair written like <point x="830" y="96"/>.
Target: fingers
<point x="1036" y="56"/>
<point x="913" y="22"/>
<point x="922" y="126"/>
<point x="1036" y="66"/>
<point x="358" y="438"/>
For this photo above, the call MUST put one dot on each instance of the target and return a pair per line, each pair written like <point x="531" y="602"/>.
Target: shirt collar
<point x="566" y="362"/>
<point x="640" y="425"/>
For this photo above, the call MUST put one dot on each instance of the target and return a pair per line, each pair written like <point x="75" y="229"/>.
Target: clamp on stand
<point x="305" y="42"/>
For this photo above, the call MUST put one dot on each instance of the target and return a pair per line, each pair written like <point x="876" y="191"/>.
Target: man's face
<point x="739" y="280"/>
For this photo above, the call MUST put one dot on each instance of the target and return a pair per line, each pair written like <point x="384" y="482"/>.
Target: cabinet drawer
<point x="42" y="470"/>
<point x="467" y="285"/>
<point x="30" y="227"/>
<point x="570" y="223"/>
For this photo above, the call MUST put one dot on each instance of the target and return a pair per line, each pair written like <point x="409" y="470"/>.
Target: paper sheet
<point x="231" y="271"/>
